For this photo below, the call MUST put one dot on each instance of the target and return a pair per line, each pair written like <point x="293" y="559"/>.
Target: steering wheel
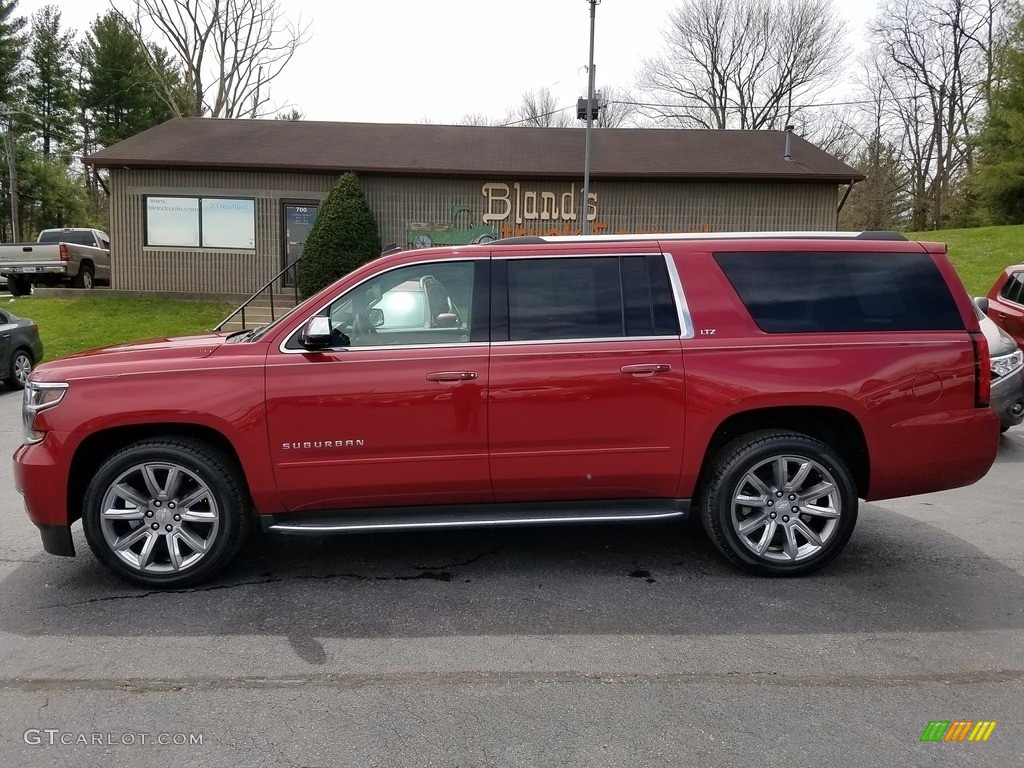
<point x="361" y="325"/>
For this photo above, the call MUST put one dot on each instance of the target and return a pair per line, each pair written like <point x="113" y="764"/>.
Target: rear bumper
<point x="950" y="449"/>
<point x="43" y="268"/>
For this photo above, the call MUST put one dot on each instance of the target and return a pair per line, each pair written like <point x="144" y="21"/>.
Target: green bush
<point x="343" y="237"/>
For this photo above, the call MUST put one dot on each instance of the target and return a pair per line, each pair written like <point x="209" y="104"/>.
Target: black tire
<point x="19" y="369"/>
<point x="764" y="536"/>
<point x="85" y="278"/>
<point x="201" y="514"/>
<point x="19" y="286"/>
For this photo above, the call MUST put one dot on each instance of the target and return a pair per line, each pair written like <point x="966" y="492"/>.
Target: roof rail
<point x="540" y="239"/>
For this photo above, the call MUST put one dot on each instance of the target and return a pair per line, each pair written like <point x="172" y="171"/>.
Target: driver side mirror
<point x="316" y="333"/>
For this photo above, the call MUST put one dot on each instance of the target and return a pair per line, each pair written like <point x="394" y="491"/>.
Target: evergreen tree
<point x="998" y="178"/>
<point x="50" y="194"/>
<point x="120" y="93"/>
<point x="50" y="93"/>
<point x="12" y="47"/>
<point x="878" y="202"/>
<point x="343" y="237"/>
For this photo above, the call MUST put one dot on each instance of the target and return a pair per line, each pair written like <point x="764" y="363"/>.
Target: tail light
<point x="64" y="255"/>
<point x="982" y="370"/>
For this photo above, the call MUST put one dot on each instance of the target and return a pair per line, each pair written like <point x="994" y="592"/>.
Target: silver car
<point x="1007" y="398"/>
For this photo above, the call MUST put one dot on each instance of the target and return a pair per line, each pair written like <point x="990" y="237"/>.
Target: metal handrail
<point x="269" y="286"/>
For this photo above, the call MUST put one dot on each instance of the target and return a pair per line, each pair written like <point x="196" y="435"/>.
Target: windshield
<point x="80" y="237"/>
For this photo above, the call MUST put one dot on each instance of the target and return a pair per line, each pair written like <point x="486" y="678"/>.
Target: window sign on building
<point x="172" y="221"/>
<point x="228" y="223"/>
<point x="208" y="222"/>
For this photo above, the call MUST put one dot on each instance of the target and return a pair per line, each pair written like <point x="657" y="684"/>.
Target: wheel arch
<point x="97" y="447"/>
<point x="835" y="427"/>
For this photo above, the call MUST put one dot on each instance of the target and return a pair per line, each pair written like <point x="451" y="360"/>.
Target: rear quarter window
<point x="1014" y="288"/>
<point x="820" y="292"/>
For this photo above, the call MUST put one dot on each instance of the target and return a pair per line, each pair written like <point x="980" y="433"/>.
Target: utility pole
<point x="585" y="226"/>
<point x="12" y="169"/>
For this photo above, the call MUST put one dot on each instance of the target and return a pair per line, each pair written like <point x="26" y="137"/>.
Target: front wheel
<point x="20" y="370"/>
<point x="779" y="503"/>
<point x="166" y="513"/>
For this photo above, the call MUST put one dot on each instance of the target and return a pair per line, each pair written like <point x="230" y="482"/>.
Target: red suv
<point x="1006" y="302"/>
<point x="765" y="381"/>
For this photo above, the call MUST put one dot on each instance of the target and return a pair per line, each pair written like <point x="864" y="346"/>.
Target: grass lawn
<point x="979" y="255"/>
<point x="73" y="325"/>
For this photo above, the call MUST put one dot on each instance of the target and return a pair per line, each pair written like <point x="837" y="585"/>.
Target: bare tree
<point x="618" y="108"/>
<point x="540" y="110"/>
<point x="479" y="118"/>
<point x="935" y="71"/>
<point x="228" y="51"/>
<point x="743" y="63"/>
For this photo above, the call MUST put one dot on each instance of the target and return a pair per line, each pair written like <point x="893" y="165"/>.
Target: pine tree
<point x="998" y="178"/>
<point x="344" y="236"/>
<point x="50" y="93"/>
<point x="120" y="94"/>
<point x="12" y="48"/>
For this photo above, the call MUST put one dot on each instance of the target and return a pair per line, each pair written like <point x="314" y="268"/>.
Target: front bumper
<point x="1007" y="399"/>
<point x="44" y="488"/>
<point x="57" y="540"/>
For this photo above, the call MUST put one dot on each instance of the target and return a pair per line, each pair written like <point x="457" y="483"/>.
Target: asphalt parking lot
<point x="581" y="646"/>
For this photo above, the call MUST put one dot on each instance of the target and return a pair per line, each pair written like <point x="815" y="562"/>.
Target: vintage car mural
<point x="425" y="235"/>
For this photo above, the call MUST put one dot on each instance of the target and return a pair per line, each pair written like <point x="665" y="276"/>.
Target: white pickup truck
<point x="75" y="255"/>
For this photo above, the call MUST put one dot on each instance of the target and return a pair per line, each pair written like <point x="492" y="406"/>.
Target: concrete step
<point x="259" y="312"/>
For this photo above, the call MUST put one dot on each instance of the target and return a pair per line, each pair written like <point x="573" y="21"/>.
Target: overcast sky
<point x="409" y="60"/>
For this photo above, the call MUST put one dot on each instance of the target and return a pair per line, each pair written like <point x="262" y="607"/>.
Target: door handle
<point x="645" y="369"/>
<point x="452" y="376"/>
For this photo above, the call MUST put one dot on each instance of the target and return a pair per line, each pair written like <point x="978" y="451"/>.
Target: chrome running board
<point x="478" y="516"/>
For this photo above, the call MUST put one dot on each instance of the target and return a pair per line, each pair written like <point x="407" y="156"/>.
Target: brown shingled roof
<point x="475" y="151"/>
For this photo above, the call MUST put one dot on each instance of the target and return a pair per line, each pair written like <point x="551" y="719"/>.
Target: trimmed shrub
<point x="343" y="237"/>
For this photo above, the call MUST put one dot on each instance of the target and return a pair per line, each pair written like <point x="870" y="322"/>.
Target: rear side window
<point x="597" y="297"/>
<point x="1013" y="290"/>
<point x="809" y="292"/>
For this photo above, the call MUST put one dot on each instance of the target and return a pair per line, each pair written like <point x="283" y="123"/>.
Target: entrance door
<point x="298" y="219"/>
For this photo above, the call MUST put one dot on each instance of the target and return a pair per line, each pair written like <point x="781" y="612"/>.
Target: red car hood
<point x="132" y="356"/>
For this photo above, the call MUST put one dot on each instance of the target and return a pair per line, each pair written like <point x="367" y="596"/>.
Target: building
<point x="222" y="206"/>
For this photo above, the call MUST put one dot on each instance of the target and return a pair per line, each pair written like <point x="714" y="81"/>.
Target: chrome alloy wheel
<point x="22" y="368"/>
<point x="159" y="517"/>
<point x="786" y="508"/>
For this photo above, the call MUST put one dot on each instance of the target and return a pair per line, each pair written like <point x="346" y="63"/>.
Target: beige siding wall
<point x="410" y="205"/>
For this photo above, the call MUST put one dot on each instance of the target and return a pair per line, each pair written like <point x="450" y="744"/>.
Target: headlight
<point x="1004" y="365"/>
<point x="38" y="397"/>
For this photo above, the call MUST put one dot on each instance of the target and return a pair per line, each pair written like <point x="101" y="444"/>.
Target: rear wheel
<point x="84" y="278"/>
<point x="779" y="503"/>
<point x="166" y="513"/>
<point x="19" y="286"/>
